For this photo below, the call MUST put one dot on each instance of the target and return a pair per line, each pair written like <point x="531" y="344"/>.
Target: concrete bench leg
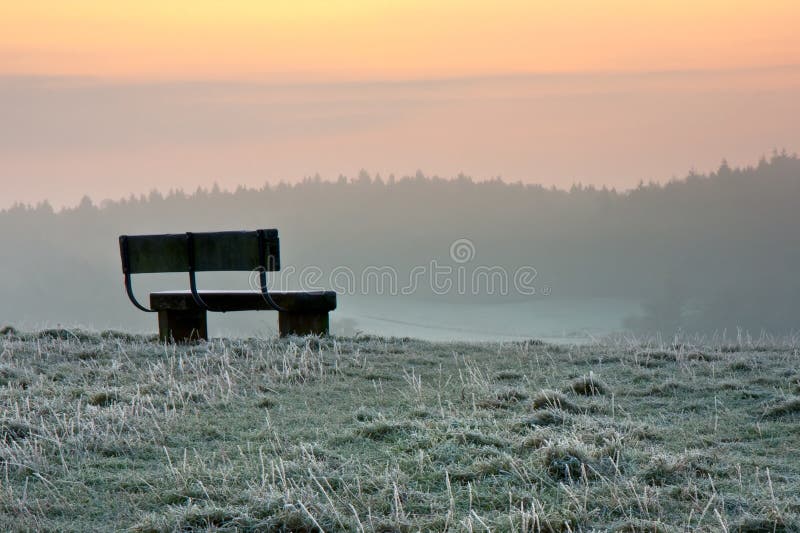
<point x="182" y="326"/>
<point x="315" y="323"/>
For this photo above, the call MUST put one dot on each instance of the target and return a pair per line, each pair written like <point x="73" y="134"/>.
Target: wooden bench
<point x="182" y="315"/>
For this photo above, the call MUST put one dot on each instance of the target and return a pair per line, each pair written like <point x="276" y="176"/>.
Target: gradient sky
<point x="109" y="98"/>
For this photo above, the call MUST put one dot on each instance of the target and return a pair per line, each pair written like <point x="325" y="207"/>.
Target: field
<point x="118" y="432"/>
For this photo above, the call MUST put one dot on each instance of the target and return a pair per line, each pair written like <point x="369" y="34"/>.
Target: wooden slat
<point x="292" y="301"/>
<point x="213" y="251"/>
<point x="158" y="253"/>
<point x="229" y="250"/>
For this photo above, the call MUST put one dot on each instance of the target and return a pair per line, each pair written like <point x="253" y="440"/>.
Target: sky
<point x="113" y="98"/>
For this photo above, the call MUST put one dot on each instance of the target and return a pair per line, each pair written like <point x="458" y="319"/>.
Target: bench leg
<point x="182" y="326"/>
<point x="303" y="323"/>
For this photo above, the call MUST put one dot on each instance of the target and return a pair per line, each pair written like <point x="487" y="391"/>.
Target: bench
<point x="182" y="314"/>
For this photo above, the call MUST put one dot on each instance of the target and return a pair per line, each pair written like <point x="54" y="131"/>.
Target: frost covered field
<point x="112" y="431"/>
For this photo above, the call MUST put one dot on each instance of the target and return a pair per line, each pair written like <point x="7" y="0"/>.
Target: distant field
<point x="117" y="432"/>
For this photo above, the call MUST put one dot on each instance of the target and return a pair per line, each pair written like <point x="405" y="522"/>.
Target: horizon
<point x="388" y="180"/>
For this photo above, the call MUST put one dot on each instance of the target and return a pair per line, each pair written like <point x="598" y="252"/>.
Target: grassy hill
<point x="111" y="431"/>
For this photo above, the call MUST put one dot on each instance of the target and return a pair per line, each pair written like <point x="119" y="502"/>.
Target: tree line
<point x="703" y="253"/>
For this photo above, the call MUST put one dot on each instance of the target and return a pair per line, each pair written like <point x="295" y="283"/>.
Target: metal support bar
<point x="126" y="270"/>
<point x="262" y="274"/>
<point x="131" y="297"/>
<point x="192" y="278"/>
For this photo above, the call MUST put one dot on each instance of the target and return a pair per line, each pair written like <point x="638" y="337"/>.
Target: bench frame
<point x="182" y="315"/>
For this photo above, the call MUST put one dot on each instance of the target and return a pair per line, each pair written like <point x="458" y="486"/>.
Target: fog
<point x="447" y="258"/>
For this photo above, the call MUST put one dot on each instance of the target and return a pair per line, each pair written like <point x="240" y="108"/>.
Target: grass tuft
<point x="503" y="399"/>
<point x="763" y="524"/>
<point x="667" y="470"/>
<point x="543" y="418"/>
<point x="380" y="431"/>
<point x="588" y="385"/>
<point x="365" y="414"/>
<point x="207" y="518"/>
<point x="267" y="402"/>
<point x="539" y="439"/>
<point x="565" y="463"/>
<point x="479" y="439"/>
<point x="103" y="398"/>
<point x="509" y="375"/>
<point x="550" y="399"/>
<point x="14" y="430"/>
<point x="643" y="526"/>
<point x="787" y="407"/>
<point x="740" y="366"/>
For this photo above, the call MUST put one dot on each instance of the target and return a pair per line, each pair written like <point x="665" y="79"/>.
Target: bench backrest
<point x="200" y="252"/>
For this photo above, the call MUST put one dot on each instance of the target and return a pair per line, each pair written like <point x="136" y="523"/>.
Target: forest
<point x="705" y="253"/>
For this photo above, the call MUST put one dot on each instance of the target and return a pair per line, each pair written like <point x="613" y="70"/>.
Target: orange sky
<point x="117" y="97"/>
<point x="368" y="39"/>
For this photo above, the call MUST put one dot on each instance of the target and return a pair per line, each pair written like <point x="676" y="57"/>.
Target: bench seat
<point x="245" y="300"/>
<point x="181" y="319"/>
